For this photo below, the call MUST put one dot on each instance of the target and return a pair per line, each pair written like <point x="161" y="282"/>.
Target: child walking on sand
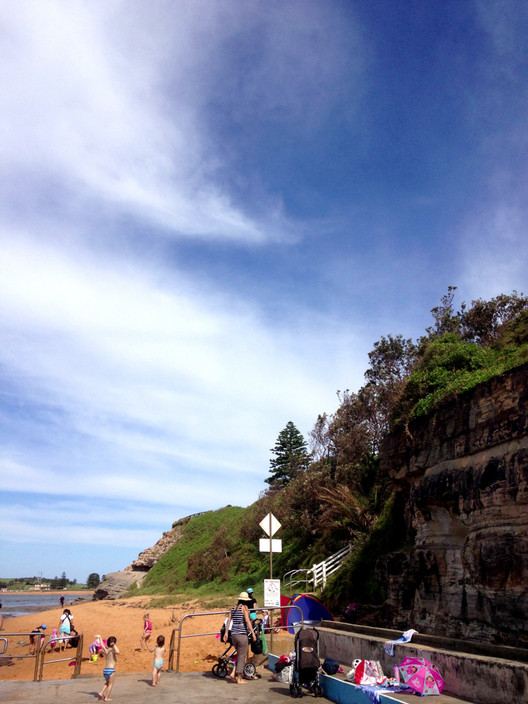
<point x="159" y="652"/>
<point x="111" y="652"/>
<point x="147" y="630"/>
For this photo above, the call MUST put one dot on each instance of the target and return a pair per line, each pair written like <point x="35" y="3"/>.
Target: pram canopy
<point x="307" y="649"/>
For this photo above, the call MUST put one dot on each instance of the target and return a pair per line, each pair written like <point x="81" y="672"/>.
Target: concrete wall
<point x="475" y="678"/>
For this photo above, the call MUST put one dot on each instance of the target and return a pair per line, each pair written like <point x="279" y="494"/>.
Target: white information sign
<point x="270" y="521"/>
<point x="271" y="593"/>
<point x="264" y="545"/>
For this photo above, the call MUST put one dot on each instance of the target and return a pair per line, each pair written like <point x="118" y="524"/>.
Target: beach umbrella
<point x="422" y="676"/>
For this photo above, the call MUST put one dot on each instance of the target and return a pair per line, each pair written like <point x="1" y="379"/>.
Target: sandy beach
<point x="123" y="619"/>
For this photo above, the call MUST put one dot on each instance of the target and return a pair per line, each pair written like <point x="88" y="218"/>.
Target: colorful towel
<point x="406" y="637"/>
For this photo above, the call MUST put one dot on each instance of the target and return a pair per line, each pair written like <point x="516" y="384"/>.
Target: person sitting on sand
<point x="147" y="630"/>
<point x="94" y="649"/>
<point x="159" y="652"/>
<point x="111" y="652"/>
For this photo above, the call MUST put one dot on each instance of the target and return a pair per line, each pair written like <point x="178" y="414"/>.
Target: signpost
<point x="270" y="525"/>
<point x="272" y="593"/>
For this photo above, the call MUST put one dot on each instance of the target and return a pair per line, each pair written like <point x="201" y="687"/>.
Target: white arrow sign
<point x="270" y="525"/>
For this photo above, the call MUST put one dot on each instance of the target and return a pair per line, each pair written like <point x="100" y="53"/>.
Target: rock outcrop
<point x="464" y="470"/>
<point x="116" y="583"/>
<point x="148" y="558"/>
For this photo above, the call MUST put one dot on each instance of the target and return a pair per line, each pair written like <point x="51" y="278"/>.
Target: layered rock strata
<point x="465" y="471"/>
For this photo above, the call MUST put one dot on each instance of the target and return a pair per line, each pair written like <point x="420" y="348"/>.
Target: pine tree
<point x="291" y="456"/>
<point x="93" y="580"/>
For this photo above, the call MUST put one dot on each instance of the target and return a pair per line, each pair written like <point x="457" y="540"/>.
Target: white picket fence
<point x="318" y="574"/>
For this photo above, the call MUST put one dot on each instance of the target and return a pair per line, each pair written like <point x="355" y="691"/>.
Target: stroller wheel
<point x="293" y="693"/>
<point x="221" y="671"/>
<point x="215" y="670"/>
<point x="249" y="669"/>
<point x="318" y="690"/>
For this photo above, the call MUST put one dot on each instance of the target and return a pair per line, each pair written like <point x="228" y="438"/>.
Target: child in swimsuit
<point x="54" y="641"/>
<point x="147" y="630"/>
<point x="111" y="652"/>
<point x="34" y="637"/>
<point x="159" y="652"/>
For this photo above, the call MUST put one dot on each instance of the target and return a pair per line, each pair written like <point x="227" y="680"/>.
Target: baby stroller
<point x="227" y="660"/>
<point x="306" y="665"/>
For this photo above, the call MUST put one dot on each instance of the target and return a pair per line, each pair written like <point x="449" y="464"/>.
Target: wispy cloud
<point x="85" y="107"/>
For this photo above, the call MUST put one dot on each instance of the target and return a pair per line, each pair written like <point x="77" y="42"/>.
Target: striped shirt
<point x="238" y="623"/>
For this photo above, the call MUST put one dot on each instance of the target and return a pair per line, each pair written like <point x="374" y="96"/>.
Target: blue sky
<point x="210" y="211"/>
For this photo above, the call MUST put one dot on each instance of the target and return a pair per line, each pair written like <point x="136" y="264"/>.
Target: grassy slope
<point x="208" y="539"/>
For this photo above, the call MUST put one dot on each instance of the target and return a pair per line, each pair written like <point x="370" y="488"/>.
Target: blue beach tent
<point x="312" y="610"/>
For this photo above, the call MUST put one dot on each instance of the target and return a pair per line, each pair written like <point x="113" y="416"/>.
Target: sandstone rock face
<point x="116" y="583"/>
<point x="465" y="471"/>
<point x="146" y="559"/>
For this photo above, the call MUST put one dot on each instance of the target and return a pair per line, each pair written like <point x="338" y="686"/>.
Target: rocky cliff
<point x="117" y="583"/>
<point x="146" y="559"/>
<point x="464" y="473"/>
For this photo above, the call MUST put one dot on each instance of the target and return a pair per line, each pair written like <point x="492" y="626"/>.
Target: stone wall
<point x="464" y="470"/>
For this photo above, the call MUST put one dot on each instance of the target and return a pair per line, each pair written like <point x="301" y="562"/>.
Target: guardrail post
<point x="78" y="658"/>
<point x="39" y="662"/>
<point x="171" y="648"/>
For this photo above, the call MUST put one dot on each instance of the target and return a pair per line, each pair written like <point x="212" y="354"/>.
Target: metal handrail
<point x="6" y="636"/>
<point x="41" y="656"/>
<point x="320" y="571"/>
<point x="288" y="577"/>
<point x="178" y="629"/>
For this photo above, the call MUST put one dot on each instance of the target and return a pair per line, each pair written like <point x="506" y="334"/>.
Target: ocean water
<point x="21" y="603"/>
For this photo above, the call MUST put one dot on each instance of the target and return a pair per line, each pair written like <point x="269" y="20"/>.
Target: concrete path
<point x="187" y="688"/>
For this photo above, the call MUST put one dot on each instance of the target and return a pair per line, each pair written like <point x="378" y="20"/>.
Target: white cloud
<point x="34" y="524"/>
<point x="494" y="256"/>
<point x="101" y="337"/>
<point x="84" y="108"/>
<point x="148" y="386"/>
